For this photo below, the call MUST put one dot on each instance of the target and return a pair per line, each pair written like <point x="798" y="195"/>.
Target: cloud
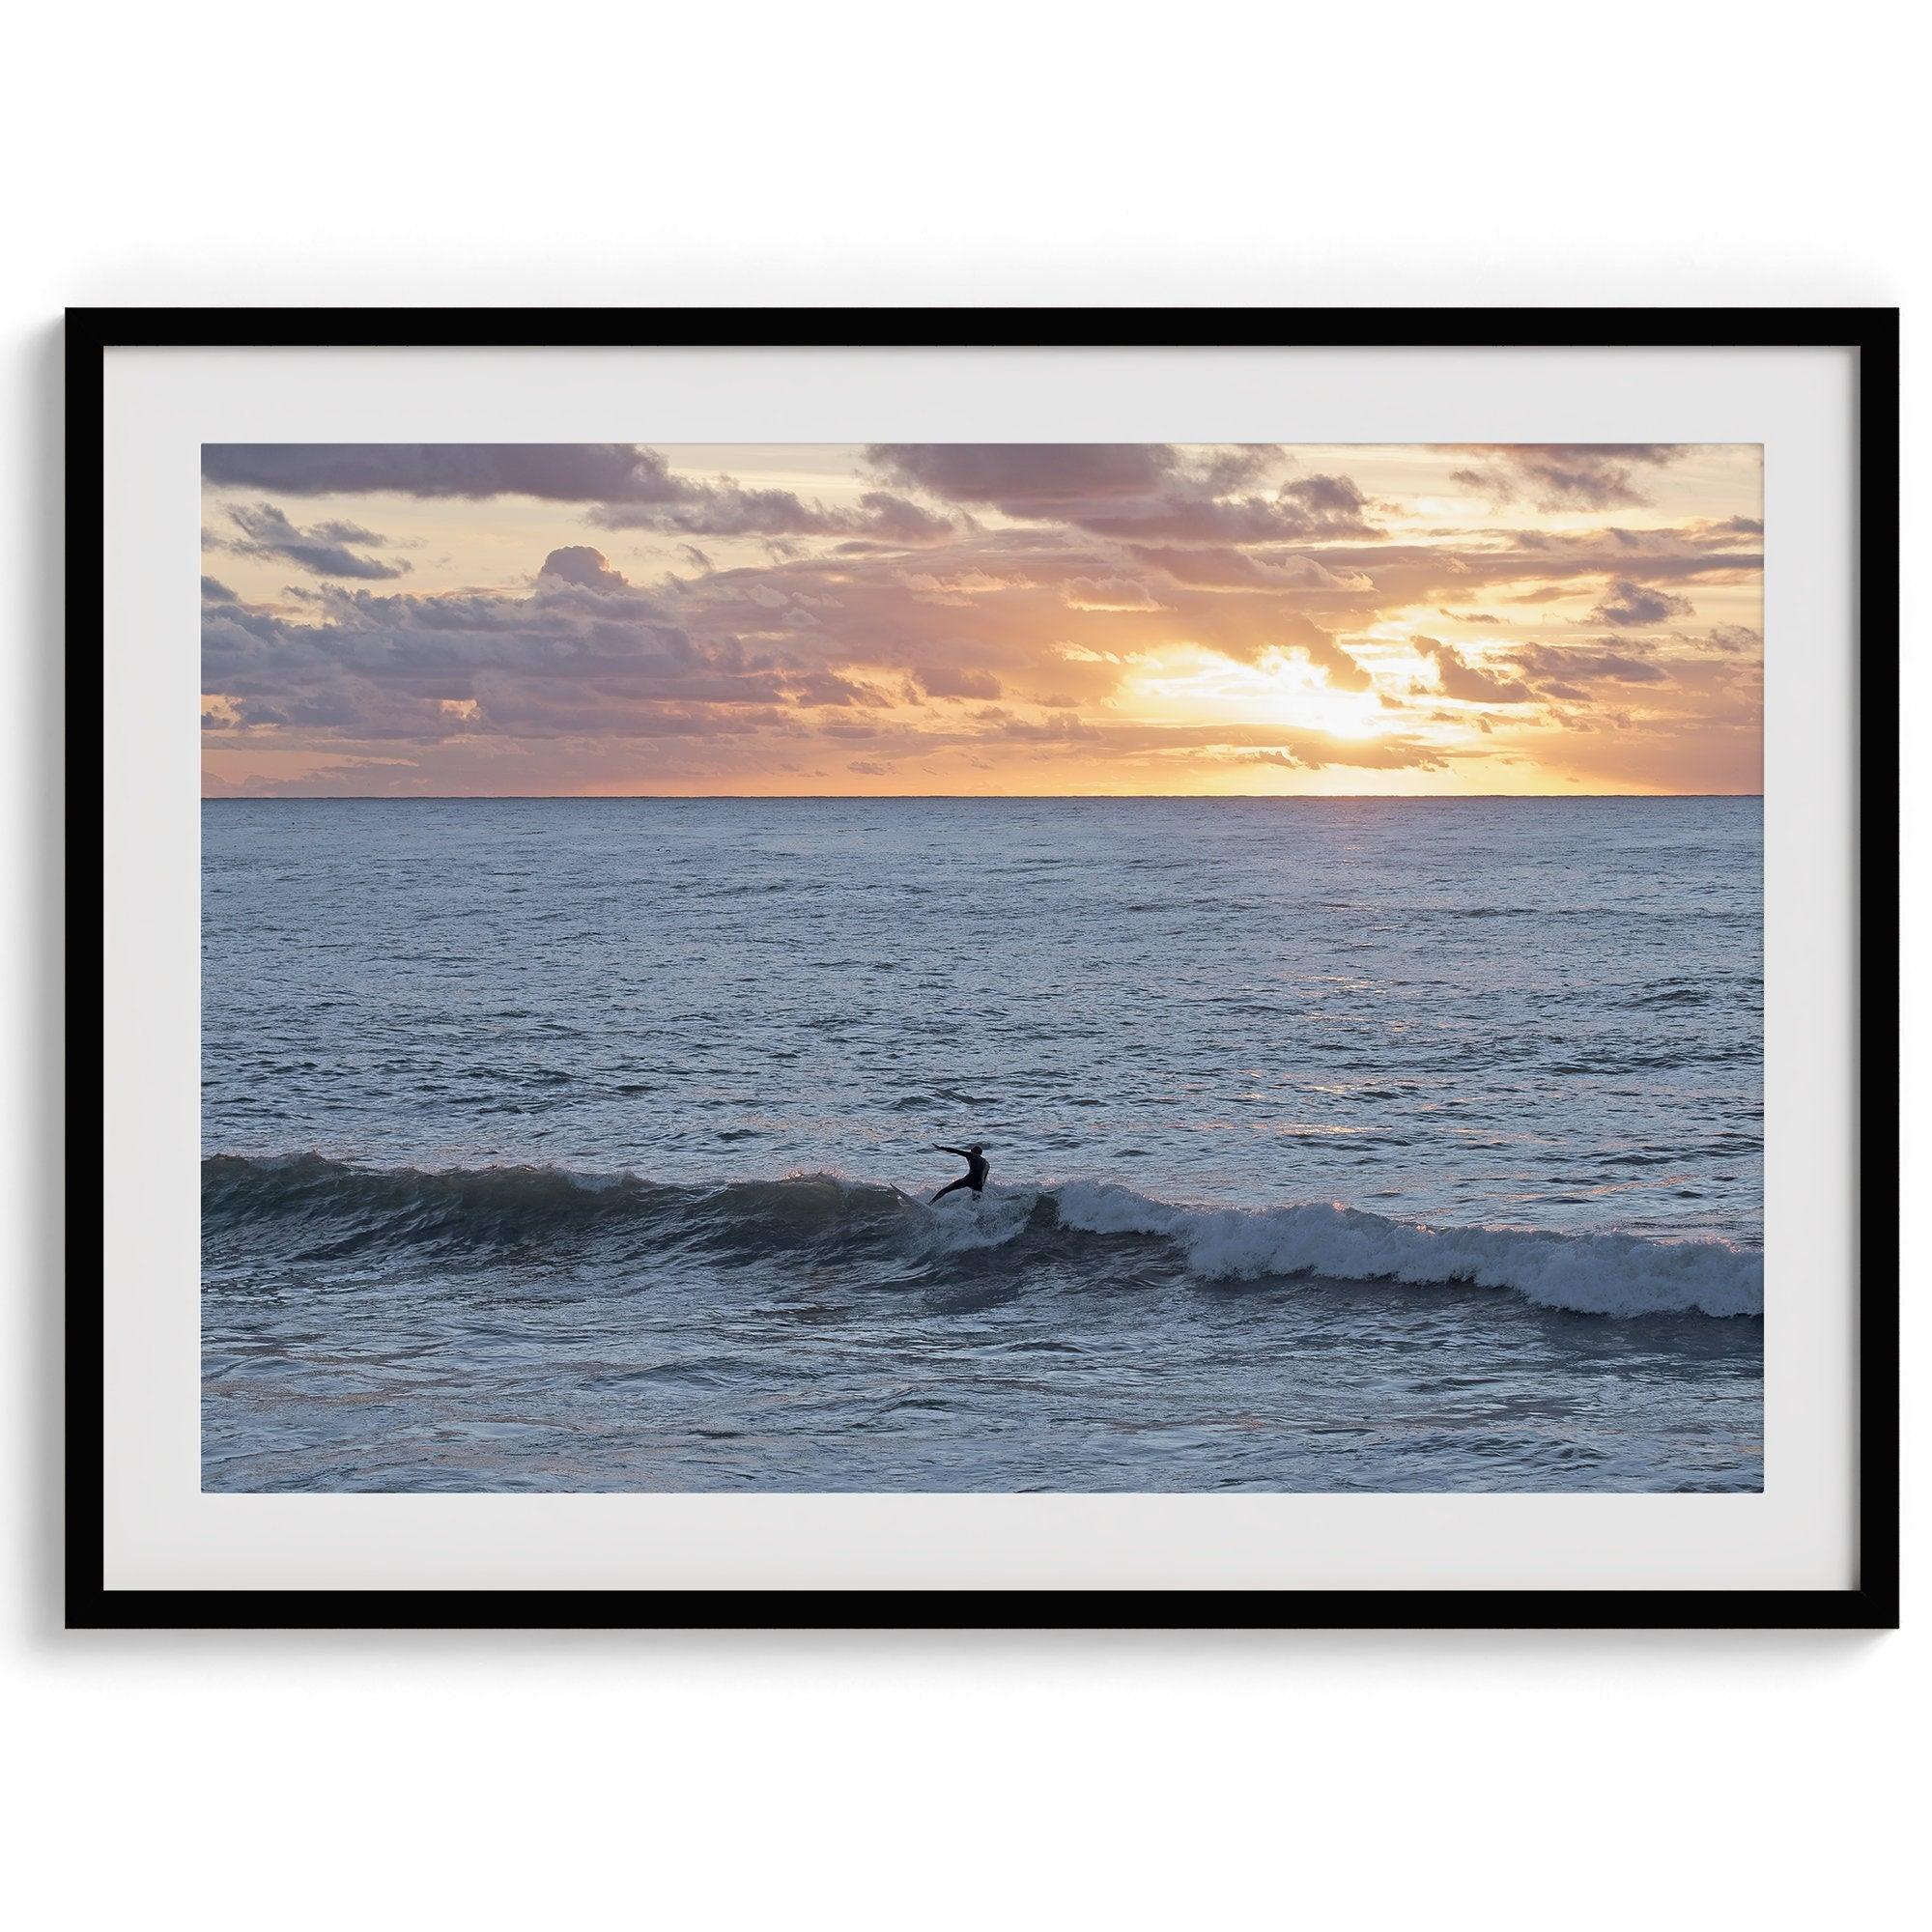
<point x="1566" y="475"/>
<point x="1024" y="480"/>
<point x="624" y="485"/>
<point x="1629" y="605"/>
<point x="580" y="563"/>
<point x="956" y="681"/>
<point x="1109" y="593"/>
<point x="214" y="591"/>
<point x="321" y="550"/>
<point x="1149" y="491"/>
<point x="1459" y="679"/>
<point x="582" y="653"/>
<point x="1533" y="567"/>
<point x="724" y="509"/>
<point x="898" y="521"/>
<point x="1221" y="566"/>
<point x="1340" y="671"/>
<point x="1060" y="729"/>
<point x="1030" y="610"/>
<point x="570" y="472"/>
<point x="1576" y="663"/>
<point x="1734" y="639"/>
<point x="828" y="688"/>
<point x="1314" y="750"/>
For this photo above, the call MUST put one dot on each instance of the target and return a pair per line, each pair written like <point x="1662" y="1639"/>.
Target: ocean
<point x="1336" y="1144"/>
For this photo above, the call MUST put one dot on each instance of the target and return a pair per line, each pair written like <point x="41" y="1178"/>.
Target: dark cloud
<point x="582" y="654"/>
<point x="1029" y="479"/>
<point x="1152" y="492"/>
<point x="1566" y="475"/>
<point x="898" y="521"/>
<point x="1237" y="465"/>
<point x="1062" y="728"/>
<point x="1532" y="566"/>
<point x="214" y="591"/>
<point x="828" y="688"/>
<point x="1578" y="662"/>
<point x="1629" y="605"/>
<point x="724" y="509"/>
<point x="1459" y="678"/>
<point x="568" y="473"/>
<point x="580" y="563"/>
<point x="1328" y="497"/>
<point x="956" y="681"/>
<point x="625" y="485"/>
<point x="1734" y="639"/>
<point x="321" y="550"/>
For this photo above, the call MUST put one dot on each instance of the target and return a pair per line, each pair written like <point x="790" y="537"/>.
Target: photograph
<point x="982" y="967"/>
<point x="1000" y="1018"/>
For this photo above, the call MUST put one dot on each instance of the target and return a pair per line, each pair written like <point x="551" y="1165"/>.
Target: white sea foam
<point x="1588" y="1274"/>
<point x="961" y="1223"/>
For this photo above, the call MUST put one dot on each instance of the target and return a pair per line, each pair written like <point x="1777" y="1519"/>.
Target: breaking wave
<point x="324" y="1209"/>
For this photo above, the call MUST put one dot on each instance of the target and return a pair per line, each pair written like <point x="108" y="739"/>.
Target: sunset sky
<point x="489" y="619"/>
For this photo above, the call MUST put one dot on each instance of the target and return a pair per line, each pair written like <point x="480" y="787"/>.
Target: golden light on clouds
<point x="997" y="618"/>
<point x="1192" y="686"/>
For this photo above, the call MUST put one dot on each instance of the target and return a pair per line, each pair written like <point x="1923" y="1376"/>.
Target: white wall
<point x="241" y="153"/>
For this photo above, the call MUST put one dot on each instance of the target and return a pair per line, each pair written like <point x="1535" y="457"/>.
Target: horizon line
<point x="901" y="797"/>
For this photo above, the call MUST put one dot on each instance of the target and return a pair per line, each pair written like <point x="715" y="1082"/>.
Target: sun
<point x="1187" y="685"/>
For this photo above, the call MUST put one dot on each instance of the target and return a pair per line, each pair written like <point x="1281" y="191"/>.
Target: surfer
<point x="975" y="1176"/>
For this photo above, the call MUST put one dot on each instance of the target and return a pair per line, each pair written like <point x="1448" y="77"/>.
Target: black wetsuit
<point x="975" y="1176"/>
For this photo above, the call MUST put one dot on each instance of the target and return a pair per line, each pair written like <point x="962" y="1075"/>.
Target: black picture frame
<point x="1871" y="332"/>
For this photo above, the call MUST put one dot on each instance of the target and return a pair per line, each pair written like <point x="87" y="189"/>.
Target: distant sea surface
<point x="1337" y="1145"/>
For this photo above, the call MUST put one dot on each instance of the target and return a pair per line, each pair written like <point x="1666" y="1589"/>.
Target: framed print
<point x="986" y="967"/>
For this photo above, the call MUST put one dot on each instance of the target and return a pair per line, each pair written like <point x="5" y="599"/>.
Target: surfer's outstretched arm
<point x="965" y="1180"/>
<point x="961" y="1152"/>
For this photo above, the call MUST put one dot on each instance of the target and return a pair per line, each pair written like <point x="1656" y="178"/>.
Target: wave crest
<point x="335" y="1209"/>
<point x="1586" y="1274"/>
